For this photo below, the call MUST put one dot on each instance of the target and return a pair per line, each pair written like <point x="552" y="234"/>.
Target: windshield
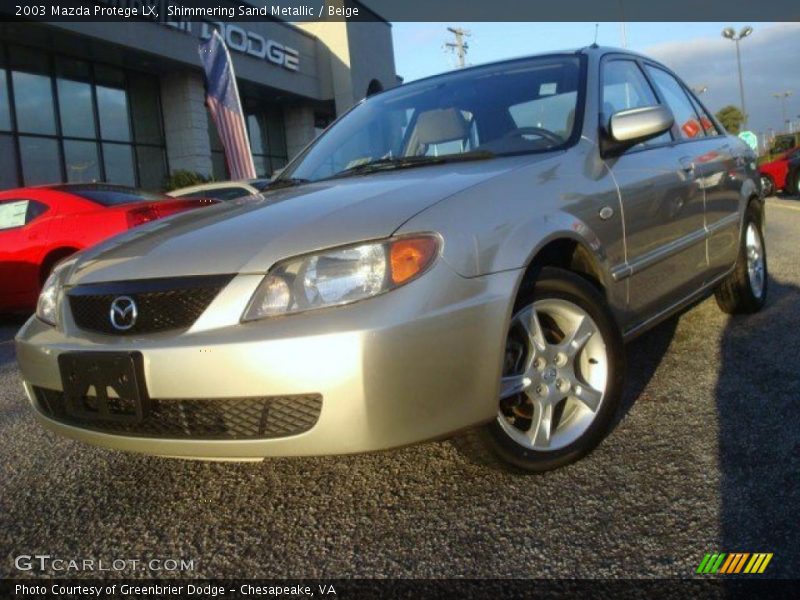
<point x="511" y="108"/>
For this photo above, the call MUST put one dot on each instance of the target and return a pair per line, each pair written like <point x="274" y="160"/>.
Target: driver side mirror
<point x="629" y="127"/>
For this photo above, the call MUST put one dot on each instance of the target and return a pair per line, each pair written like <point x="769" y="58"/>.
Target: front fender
<point x="501" y="225"/>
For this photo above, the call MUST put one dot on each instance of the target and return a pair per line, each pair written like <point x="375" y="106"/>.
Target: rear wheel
<point x="562" y="376"/>
<point x="767" y="186"/>
<point x="745" y="289"/>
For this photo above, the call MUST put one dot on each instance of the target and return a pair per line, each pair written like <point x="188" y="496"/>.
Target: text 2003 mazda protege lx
<point x="462" y="255"/>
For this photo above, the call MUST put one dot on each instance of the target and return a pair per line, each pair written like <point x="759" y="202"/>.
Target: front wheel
<point x="562" y="375"/>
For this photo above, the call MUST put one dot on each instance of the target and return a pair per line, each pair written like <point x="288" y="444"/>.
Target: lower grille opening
<point x="265" y="417"/>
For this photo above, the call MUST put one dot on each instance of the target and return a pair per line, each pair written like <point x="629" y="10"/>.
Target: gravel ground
<point x="705" y="458"/>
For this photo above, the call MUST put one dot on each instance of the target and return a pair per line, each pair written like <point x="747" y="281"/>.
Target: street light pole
<point x="782" y="96"/>
<point x="730" y="33"/>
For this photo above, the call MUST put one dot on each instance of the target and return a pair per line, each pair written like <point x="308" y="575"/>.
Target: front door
<point x="662" y="200"/>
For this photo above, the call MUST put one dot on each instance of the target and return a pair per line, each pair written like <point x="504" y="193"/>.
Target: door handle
<point x="687" y="165"/>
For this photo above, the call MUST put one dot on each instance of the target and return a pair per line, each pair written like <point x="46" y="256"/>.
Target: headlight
<point x="50" y="296"/>
<point x="48" y="300"/>
<point x="341" y="275"/>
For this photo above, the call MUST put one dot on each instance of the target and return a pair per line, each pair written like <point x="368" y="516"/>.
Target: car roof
<point x="594" y="49"/>
<point x="88" y="187"/>
<point x="72" y="188"/>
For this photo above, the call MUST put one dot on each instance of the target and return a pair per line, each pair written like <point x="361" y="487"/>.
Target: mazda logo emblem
<point x="123" y="313"/>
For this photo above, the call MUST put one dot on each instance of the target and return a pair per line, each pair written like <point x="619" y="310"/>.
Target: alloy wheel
<point x="555" y="375"/>
<point x="755" y="259"/>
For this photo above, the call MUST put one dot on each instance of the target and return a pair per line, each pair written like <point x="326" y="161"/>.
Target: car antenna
<point x="596" y="29"/>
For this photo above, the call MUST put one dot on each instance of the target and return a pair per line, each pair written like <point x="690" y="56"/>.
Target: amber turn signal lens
<point x="409" y="257"/>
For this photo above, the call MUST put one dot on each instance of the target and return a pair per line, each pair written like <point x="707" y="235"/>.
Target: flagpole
<point x="225" y="105"/>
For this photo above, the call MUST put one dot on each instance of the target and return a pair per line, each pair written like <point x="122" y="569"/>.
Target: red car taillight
<point x="140" y="216"/>
<point x="157" y="210"/>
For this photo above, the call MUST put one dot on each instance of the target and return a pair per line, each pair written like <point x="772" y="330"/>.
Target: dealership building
<point x="125" y="102"/>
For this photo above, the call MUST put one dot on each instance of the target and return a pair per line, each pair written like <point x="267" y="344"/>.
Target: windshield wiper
<point x="406" y="162"/>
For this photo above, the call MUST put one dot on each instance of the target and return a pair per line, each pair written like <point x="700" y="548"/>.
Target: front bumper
<point x="418" y="363"/>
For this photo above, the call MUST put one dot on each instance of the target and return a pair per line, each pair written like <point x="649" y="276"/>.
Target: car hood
<point x="249" y="235"/>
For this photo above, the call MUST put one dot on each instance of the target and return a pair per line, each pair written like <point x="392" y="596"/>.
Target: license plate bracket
<point x="116" y="380"/>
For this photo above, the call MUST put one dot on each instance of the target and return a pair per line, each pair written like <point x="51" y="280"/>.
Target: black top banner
<point x="401" y="10"/>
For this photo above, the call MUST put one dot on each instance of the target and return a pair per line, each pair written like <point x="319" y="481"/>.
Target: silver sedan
<point x="462" y="256"/>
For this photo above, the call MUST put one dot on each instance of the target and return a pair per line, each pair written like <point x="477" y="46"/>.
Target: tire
<point x="560" y="300"/>
<point x="51" y="261"/>
<point x="738" y="293"/>
<point x="794" y="185"/>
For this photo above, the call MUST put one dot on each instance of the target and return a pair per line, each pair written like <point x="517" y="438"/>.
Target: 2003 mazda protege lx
<point x="465" y="253"/>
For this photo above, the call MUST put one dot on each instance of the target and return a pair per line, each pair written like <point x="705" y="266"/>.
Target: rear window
<point x="109" y="195"/>
<point x="226" y="193"/>
<point x="261" y="184"/>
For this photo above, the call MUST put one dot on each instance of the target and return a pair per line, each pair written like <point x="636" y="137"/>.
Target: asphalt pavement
<point x="705" y="458"/>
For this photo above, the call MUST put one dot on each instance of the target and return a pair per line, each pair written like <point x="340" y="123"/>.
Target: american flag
<point x="222" y="99"/>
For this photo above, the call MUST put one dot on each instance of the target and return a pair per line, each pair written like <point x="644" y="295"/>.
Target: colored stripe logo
<point x="734" y="563"/>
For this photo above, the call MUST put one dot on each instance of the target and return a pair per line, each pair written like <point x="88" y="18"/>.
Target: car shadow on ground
<point x="758" y="409"/>
<point x="757" y="405"/>
<point x="643" y="357"/>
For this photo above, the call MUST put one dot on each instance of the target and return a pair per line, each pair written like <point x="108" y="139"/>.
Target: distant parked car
<point x="781" y="145"/>
<point x="39" y="226"/>
<point x="793" y="175"/>
<point x="774" y="174"/>
<point x="223" y="190"/>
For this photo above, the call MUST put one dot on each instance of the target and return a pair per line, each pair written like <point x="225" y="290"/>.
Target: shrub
<point x="182" y="178"/>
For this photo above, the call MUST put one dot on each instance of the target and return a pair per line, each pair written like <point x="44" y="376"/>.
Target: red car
<point x="774" y="174"/>
<point x="39" y="226"/>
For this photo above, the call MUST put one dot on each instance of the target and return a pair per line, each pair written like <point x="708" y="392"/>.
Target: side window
<point x="624" y="87"/>
<point x="687" y="120"/>
<point x="705" y="119"/>
<point x="18" y="213"/>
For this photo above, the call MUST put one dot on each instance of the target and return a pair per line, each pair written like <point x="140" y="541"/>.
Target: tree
<point x="731" y="118"/>
<point x="182" y="178"/>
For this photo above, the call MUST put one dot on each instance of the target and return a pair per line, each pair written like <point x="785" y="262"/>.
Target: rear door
<point x="715" y="167"/>
<point x="662" y="201"/>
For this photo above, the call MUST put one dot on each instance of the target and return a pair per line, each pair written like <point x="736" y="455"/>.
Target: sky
<point x="695" y="51"/>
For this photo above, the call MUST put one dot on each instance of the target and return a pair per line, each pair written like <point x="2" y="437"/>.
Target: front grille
<point x="202" y="419"/>
<point x="161" y="304"/>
